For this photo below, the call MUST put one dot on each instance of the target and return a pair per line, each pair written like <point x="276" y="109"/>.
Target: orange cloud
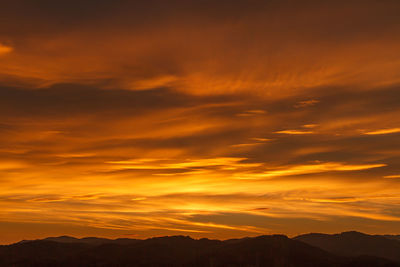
<point x="384" y="131"/>
<point x="312" y="168"/>
<point x="4" y="49"/>
<point x="395" y="176"/>
<point x="295" y="132"/>
<point x="306" y="103"/>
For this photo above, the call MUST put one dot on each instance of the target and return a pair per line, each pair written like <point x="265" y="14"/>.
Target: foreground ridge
<point x="345" y="249"/>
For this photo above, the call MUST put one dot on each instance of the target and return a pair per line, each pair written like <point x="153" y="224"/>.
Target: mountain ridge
<point x="265" y="250"/>
<point x="353" y="243"/>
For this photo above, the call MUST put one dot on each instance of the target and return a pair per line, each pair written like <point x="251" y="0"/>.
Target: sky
<point x="217" y="119"/>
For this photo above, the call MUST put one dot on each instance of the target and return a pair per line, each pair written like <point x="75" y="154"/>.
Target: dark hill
<point x="355" y="244"/>
<point x="274" y="251"/>
<point x="92" y="240"/>
<point x="395" y="237"/>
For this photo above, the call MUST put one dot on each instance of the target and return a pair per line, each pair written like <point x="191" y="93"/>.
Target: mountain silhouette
<point x="90" y="240"/>
<point x="272" y="250"/>
<point x="395" y="237"/>
<point x="354" y="244"/>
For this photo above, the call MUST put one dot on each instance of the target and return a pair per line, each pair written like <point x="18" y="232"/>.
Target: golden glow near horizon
<point x="236" y="120"/>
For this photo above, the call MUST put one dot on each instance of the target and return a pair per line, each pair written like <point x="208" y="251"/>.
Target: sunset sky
<point x="216" y="119"/>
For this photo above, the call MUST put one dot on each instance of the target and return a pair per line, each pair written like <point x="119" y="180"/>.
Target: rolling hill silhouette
<point x="395" y="237"/>
<point x="273" y="250"/>
<point x="355" y="244"/>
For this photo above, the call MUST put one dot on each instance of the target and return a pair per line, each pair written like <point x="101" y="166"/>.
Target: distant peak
<point x="63" y="238"/>
<point x="353" y="233"/>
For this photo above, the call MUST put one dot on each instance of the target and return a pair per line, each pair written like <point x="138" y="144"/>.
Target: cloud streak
<point x="384" y="131"/>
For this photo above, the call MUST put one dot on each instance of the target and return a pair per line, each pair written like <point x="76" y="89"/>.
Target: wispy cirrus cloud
<point x="309" y="169"/>
<point x="295" y="132"/>
<point x="306" y="103"/>
<point x="394" y="176"/>
<point x="383" y="131"/>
